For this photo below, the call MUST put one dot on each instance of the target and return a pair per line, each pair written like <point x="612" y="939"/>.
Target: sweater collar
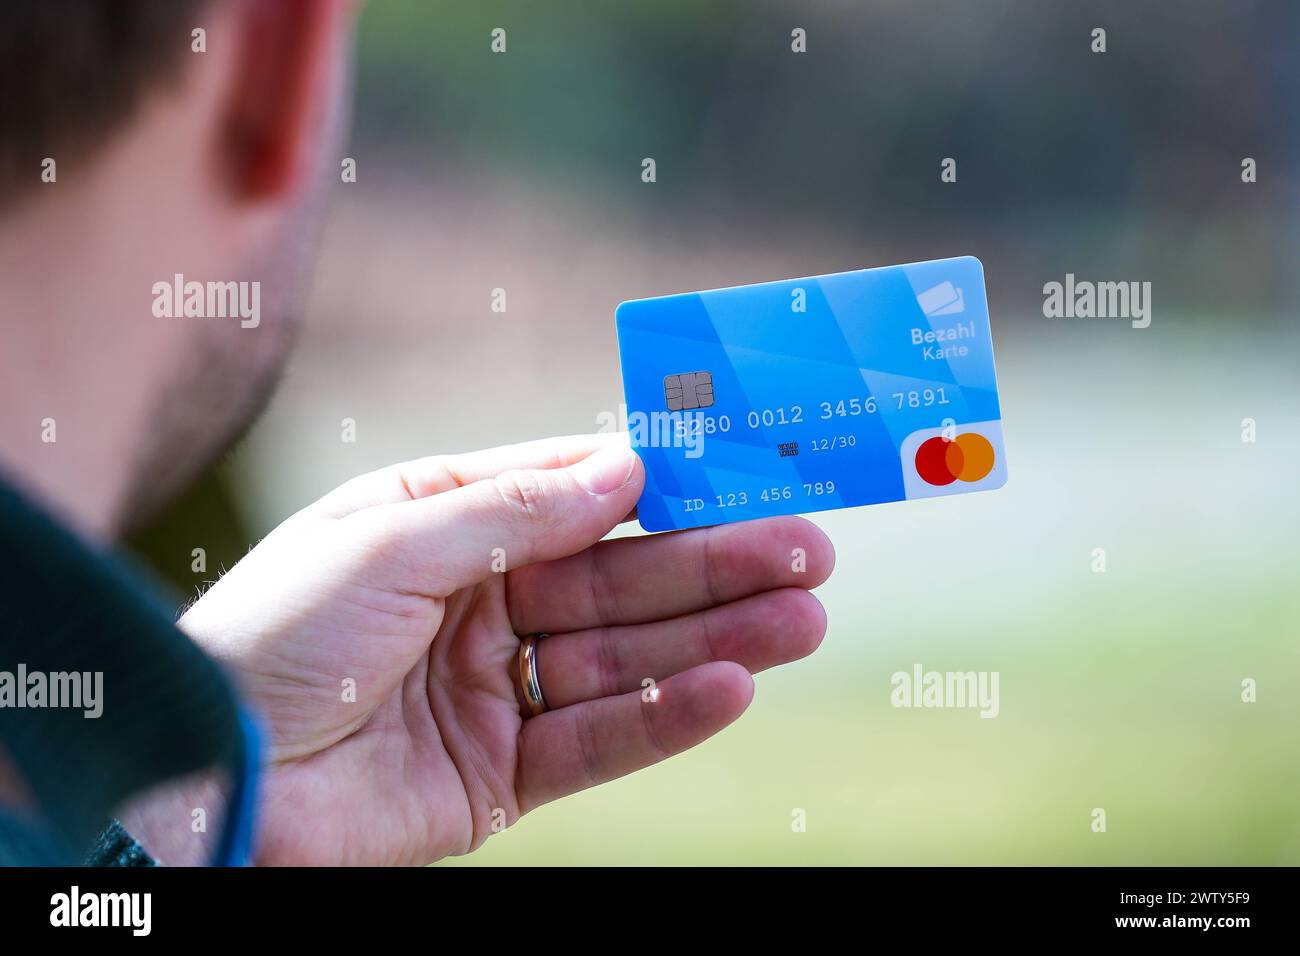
<point x="113" y="698"/>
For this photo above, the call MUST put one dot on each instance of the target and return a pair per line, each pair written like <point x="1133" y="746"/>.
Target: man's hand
<point x="376" y="634"/>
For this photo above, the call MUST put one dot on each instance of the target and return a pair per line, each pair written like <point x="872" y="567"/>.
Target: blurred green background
<point x="1119" y="690"/>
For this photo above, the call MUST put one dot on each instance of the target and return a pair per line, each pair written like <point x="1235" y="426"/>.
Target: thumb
<point x="448" y="541"/>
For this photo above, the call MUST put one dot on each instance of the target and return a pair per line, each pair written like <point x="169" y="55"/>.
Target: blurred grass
<point x="1123" y="694"/>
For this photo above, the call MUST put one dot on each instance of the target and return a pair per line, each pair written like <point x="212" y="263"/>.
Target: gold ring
<point x="528" y="678"/>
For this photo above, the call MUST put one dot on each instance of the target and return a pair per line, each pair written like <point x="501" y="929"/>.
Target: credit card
<point x="806" y="395"/>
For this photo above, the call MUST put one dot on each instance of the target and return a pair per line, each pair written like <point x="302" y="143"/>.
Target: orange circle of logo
<point x="977" y="456"/>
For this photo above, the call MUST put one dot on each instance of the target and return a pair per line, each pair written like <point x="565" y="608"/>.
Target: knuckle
<point x="658" y="746"/>
<point x="525" y="495"/>
<point x="609" y="664"/>
<point x="585" y="737"/>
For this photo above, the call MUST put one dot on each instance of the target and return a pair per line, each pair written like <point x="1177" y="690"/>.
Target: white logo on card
<point x="943" y="299"/>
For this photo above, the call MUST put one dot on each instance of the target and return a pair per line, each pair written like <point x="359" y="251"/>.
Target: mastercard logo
<point x="967" y="457"/>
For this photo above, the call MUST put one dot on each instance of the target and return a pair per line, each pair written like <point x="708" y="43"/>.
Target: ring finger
<point x="757" y="632"/>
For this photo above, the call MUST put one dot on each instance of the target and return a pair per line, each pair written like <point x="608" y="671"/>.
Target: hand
<point x="392" y="587"/>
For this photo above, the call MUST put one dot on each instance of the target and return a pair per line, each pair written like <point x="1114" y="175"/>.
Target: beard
<point x="230" y="373"/>
<point x="226" y="379"/>
<point x="205" y="410"/>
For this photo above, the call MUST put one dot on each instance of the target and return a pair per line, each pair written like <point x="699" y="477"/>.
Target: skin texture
<point x="389" y="581"/>
<point x="408" y="587"/>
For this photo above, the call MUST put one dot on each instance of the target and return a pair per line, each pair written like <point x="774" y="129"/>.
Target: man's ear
<point x="292" y="57"/>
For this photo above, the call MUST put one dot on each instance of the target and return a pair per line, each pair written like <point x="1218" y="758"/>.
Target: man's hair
<point x="71" y="71"/>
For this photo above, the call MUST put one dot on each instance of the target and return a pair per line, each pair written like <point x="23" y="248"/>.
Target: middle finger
<point x="650" y="578"/>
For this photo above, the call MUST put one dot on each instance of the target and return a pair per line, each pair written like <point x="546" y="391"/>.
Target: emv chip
<point x="688" y="390"/>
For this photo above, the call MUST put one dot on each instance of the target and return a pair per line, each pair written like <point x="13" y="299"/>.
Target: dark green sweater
<point x="66" y="609"/>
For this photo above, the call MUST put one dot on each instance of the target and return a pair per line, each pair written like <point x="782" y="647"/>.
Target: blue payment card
<point x="811" y="394"/>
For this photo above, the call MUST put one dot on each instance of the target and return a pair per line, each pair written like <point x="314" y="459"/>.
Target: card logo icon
<point x="968" y="457"/>
<point x="688" y="390"/>
<point x="942" y="299"/>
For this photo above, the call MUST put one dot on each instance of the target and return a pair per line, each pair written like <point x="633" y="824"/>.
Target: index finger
<point x="435" y="474"/>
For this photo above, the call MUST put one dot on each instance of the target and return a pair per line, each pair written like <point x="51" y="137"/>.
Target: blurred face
<point x="226" y="370"/>
<point x="224" y="379"/>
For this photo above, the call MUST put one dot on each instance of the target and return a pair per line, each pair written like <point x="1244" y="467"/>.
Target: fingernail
<point x="605" y="471"/>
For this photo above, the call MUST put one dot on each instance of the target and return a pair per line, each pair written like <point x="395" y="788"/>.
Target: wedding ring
<point x="528" y="679"/>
